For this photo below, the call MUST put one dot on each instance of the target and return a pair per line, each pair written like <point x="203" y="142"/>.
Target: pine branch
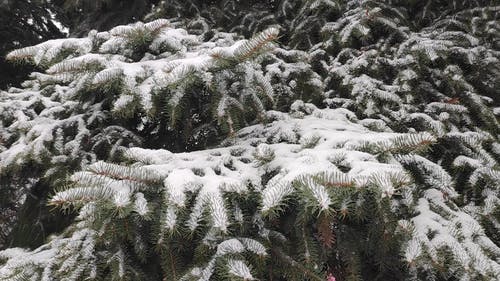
<point x="255" y="45"/>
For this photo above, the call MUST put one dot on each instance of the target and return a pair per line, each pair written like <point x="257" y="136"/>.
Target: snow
<point x="335" y="132"/>
<point x="466" y="250"/>
<point x="239" y="269"/>
<point x="44" y="257"/>
<point x="59" y="25"/>
<point x="264" y="159"/>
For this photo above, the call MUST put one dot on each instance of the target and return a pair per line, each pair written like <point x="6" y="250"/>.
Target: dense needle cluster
<point x="345" y="140"/>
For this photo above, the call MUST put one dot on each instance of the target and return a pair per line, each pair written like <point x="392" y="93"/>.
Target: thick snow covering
<point x="291" y="146"/>
<point x="267" y="160"/>
<point x="307" y="141"/>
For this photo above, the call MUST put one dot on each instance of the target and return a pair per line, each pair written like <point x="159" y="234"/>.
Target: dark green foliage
<point x="83" y="16"/>
<point x="23" y="23"/>
<point x="423" y="74"/>
<point x="356" y="234"/>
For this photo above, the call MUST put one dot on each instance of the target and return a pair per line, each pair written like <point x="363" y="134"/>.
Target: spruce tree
<point x="91" y="100"/>
<point x="84" y="15"/>
<point x="361" y="144"/>
<point x="24" y="23"/>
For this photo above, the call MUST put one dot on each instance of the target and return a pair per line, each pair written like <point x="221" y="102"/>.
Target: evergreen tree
<point x="365" y="147"/>
<point x="24" y="23"/>
<point x="105" y="91"/>
<point x="84" y="15"/>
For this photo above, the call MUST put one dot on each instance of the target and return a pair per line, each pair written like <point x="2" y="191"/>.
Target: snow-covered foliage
<point x="116" y="89"/>
<point x="186" y="192"/>
<point x="210" y="198"/>
<point x="372" y="151"/>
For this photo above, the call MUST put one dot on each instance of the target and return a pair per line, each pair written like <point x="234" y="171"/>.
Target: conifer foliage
<point x="359" y="140"/>
<point x="110" y="90"/>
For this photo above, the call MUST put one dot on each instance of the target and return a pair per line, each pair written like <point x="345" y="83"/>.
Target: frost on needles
<point x="192" y="154"/>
